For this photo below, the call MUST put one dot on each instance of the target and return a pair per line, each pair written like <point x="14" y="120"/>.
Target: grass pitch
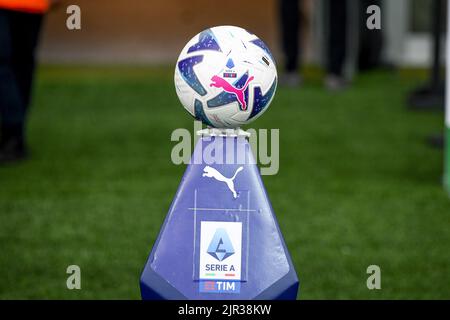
<point x="357" y="186"/>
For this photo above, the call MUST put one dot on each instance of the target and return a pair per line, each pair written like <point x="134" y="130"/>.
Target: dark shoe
<point x="291" y="79"/>
<point x="436" y="141"/>
<point x="12" y="150"/>
<point x="335" y="83"/>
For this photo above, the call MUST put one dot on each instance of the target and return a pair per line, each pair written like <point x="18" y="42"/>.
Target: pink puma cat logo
<point x="219" y="82"/>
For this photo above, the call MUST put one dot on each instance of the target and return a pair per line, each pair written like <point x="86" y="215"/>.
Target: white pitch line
<point x="220" y="209"/>
<point x="195" y="231"/>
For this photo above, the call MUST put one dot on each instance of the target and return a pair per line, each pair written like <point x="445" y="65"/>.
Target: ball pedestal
<point x="220" y="239"/>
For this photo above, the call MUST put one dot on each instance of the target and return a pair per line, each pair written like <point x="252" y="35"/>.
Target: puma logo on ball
<point x="219" y="82"/>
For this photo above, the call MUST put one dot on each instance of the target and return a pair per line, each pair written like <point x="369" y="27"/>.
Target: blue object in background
<point x="220" y="239"/>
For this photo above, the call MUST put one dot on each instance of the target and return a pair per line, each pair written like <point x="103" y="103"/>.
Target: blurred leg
<point x="18" y="38"/>
<point x="289" y="16"/>
<point x="370" y="41"/>
<point x="26" y="28"/>
<point x="11" y="103"/>
<point x="337" y="36"/>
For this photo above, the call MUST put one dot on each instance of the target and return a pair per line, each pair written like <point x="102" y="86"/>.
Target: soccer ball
<point x="225" y="77"/>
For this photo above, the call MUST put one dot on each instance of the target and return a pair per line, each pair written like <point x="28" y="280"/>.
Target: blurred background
<point x="361" y="163"/>
<point x="154" y="32"/>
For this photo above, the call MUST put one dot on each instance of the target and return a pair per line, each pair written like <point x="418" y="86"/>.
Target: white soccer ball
<point x="225" y="77"/>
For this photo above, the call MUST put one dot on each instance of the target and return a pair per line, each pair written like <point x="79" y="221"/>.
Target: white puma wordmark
<point x="210" y="172"/>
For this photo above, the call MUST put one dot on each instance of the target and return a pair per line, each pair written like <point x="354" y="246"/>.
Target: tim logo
<point x="219" y="82"/>
<point x="210" y="172"/>
<point x="214" y="286"/>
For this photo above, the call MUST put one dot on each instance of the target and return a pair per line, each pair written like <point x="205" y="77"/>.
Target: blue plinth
<point x="220" y="239"/>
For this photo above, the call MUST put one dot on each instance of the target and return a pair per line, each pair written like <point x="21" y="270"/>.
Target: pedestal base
<point x="220" y="239"/>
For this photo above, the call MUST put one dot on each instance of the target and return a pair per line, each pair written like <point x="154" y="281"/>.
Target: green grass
<point x="357" y="185"/>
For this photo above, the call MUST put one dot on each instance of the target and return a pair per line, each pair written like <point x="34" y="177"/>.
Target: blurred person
<point x="370" y="41"/>
<point x="20" y="24"/>
<point x="290" y="18"/>
<point x="337" y="44"/>
<point x="290" y="29"/>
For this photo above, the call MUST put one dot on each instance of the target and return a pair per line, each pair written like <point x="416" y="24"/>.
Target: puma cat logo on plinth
<point x="210" y="172"/>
